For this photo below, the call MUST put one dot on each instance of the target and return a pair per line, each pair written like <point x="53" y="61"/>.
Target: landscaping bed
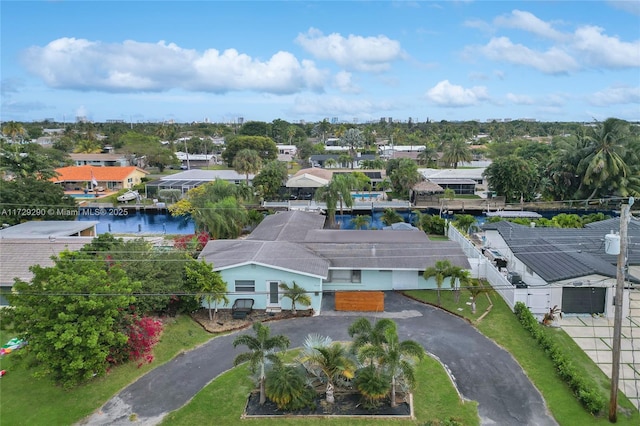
<point x="347" y="403"/>
<point x="224" y="320"/>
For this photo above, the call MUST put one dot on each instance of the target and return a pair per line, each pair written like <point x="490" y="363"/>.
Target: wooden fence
<point x="362" y="301"/>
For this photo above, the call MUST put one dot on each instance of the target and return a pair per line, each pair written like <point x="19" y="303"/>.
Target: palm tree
<point x="221" y="219"/>
<point x="330" y="163"/>
<point x="87" y="146"/>
<point x="390" y="216"/>
<point x="604" y="164"/>
<point x="463" y="222"/>
<point x="439" y="271"/>
<point x="361" y="221"/>
<point x="263" y="350"/>
<point x="428" y="156"/>
<point x="297" y="294"/>
<point x="459" y="278"/>
<point x="476" y="289"/>
<point x="327" y="360"/>
<point x="14" y="130"/>
<point x="286" y="386"/>
<point x="247" y="161"/>
<point x="354" y="139"/>
<point x="455" y="151"/>
<point x="338" y="190"/>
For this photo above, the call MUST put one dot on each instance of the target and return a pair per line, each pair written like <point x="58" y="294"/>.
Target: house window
<point x="245" y="286"/>
<point x="130" y="180"/>
<point x="356" y="275"/>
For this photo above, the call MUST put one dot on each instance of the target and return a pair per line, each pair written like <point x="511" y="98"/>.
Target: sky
<point x="350" y="61"/>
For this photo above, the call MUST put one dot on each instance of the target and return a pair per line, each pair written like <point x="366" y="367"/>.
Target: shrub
<point x="583" y="388"/>
<point x="142" y="335"/>
<point x="286" y="386"/>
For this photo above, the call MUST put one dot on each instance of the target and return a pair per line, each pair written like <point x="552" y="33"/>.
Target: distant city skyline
<point x="350" y="61"/>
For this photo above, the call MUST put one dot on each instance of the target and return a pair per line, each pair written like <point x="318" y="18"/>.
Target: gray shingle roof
<point x="287" y="226"/>
<point x="18" y="255"/>
<point x="278" y="254"/>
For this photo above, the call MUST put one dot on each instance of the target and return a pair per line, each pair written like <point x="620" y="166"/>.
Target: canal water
<point x="137" y="222"/>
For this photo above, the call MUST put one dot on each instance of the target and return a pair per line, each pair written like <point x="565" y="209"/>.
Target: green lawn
<point x="25" y="400"/>
<point x="502" y="326"/>
<point x="435" y="399"/>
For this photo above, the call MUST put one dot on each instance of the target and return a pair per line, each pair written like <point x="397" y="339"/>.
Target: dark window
<point x="356" y="276"/>
<point x="245" y="286"/>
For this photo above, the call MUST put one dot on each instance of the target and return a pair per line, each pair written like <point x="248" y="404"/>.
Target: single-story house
<point x="34" y="243"/>
<point x="462" y="181"/>
<point x="307" y="181"/>
<point x="320" y="160"/>
<point x="570" y="263"/>
<point x="294" y="246"/>
<point x="100" y="160"/>
<point x="189" y="161"/>
<point x="189" y="179"/>
<point x="110" y="178"/>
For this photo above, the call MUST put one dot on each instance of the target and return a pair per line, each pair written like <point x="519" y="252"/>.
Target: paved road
<point x="482" y="370"/>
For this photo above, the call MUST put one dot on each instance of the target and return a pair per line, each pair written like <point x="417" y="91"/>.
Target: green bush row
<point x="584" y="389"/>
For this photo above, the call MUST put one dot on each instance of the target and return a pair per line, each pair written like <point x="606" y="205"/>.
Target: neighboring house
<point x="34" y="243"/>
<point x="319" y="160"/>
<point x="570" y="263"/>
<point x="307" y="181"/>
<point x="189" y="179"/>
<point x="98" y="160"/>
<point x="190" y="161"/>
<point x="293" y="246"/>
<point x="75" y="178"/>
<point x="462" y="181"/>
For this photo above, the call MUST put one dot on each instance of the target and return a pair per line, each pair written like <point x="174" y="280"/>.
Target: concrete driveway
<point x="482" y="371"/>
<point x="595" y="337"/>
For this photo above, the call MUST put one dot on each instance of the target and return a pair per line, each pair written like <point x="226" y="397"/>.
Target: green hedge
<point x="583" y="388"/>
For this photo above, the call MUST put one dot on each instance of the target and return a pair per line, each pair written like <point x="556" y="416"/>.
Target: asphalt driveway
<point x="482" y="371"/>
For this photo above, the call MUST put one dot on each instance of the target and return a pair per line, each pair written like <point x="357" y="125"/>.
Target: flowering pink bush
<point x="144" y="333"/>
<point x="192" y="242"/>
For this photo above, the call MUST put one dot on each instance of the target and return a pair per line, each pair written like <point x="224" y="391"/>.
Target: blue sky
<point x="354" y="60"/>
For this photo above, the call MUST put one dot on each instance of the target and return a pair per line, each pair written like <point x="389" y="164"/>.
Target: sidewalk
<point x="595" y="337"/>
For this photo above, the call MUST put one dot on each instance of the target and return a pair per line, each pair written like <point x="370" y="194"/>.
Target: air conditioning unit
<point x="514" y="278"/>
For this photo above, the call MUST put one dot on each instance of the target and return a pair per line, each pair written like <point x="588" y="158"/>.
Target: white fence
<point x="536" y="299"/>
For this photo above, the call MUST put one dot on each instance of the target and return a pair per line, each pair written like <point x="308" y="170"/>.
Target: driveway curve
<point x="482" y="370"/>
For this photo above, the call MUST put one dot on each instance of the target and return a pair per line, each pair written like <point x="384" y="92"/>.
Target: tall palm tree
<point x="354" y="139"/>
<point x="263" y="350"/>
<point x="604" y="165"/>
<point x="390" y="216"/>
<point x="428" y="156"/>
<point x="330" y="163"/>
<point x="297" y="294"/>
<point x="338" y="190"/>
<point x="439" y="271"/>
<point x="328" y="360"/>
<point x="247" y="161"/>
<point x="455" y="151"/>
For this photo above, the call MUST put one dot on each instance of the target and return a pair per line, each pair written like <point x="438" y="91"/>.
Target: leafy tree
<point x="265" y="147"/>
<point x="22" y="199"/>
<point x="428" y="156"/>
<point x="512" y="177"/>
<point x="439" y="271"/>
<point x="208" y="283"/>
<point x="263" y="350"/>
<point x="329" y="361"/>
<point x="140" y="261"/>
<point x="254" y="128"/>
<point x="270" y="179"/>
<point x="71" y="315"/>
<point x="331" y="163"/>
<point x="432" y="224"/>
<point x="247" y="161"/>
<point x="144" y="151"/>
<point x="27" y="161"/>
<point x="449" y="194"/>
<point x="297" y="294"/>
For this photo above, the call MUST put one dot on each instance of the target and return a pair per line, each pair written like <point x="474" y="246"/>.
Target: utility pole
<point x="617" y="325"/>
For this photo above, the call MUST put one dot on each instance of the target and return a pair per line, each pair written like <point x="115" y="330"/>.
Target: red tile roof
<point x="101" y="174"/>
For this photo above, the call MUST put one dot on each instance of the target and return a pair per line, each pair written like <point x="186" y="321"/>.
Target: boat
<point x="128" y="196"/>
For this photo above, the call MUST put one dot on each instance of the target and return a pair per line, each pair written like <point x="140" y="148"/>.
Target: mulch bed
<point x="224" y="321"/>
<point x="346" y="404"/>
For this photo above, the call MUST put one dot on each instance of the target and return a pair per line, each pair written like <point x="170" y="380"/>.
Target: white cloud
<point x="370" y="54"/>
<point x="450" y="95"/>
<point x="601" y="50"/>
<point x="527" y="21"/>
<point x="478" y="76"/>
<point x="80" y="64"/>
<point x="616" y="96"/>
<point x="519" y="99"/>
<point x="343" y="81"/>
<point x="553" y="61"/>
<point x="626" y="5"/>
